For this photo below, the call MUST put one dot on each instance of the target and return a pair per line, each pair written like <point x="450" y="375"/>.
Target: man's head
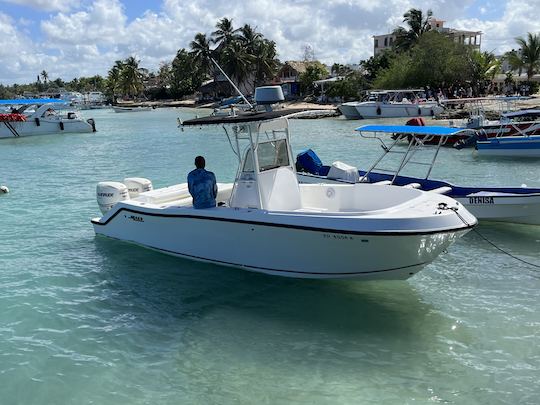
<point x="199" y="162"/>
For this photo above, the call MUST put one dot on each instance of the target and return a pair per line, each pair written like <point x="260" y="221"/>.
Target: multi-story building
<point x="471" y="38"/>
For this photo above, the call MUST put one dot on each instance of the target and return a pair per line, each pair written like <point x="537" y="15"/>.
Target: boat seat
<point x="412" y="185"/>
<point x="383" y="183"/>
<point x="441" y="190"/>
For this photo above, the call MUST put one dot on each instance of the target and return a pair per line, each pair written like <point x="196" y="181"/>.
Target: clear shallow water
<point x="87" y="320"/>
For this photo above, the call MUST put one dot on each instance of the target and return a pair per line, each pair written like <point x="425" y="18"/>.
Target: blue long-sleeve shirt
<point x="203" y="188"/>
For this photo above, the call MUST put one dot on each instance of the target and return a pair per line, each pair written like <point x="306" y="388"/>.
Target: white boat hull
<point x="349" y="111"/>
<point x="519" y="209"/>
<point x="131" y="109"/>
<point x="45" y="127"/>
<point x="294" y="244"/>
<point x="368" y="110"/>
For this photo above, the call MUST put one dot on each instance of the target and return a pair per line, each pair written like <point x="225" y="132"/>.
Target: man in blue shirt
<point x="202" y="185"/>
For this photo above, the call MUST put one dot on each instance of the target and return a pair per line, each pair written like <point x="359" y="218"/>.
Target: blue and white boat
<point x="39" y="116"/>
<point x="512" y="146"/>
<point x="502" y="204"/>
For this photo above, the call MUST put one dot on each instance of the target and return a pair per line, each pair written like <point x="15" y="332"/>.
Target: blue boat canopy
<point x="20" y="101"/>
<point x="413" y="130"/>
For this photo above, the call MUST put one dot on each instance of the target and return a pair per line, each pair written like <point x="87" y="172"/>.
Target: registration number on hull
<point x="481" y="200"/>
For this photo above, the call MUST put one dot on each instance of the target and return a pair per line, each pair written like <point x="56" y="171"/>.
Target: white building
<point x="471" y="38"/>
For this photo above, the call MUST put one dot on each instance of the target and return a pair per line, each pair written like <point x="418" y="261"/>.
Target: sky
<point x="73" y="38"/>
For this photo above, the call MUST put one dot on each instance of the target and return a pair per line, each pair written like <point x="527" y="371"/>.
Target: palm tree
<point x="131" y="80"/>
<point x="249" y="37"/>
<point x="45" y="76"/>
<point x="113" y="78"/>
<point x="266" y="62"/>
<point x="514" y="60"/>
<point x="418" y="25"/>
<point x="237" y="61"/>
<point x="225" y="33"/>
<point x="530" y="53"/>
<point x="201" y="52"/>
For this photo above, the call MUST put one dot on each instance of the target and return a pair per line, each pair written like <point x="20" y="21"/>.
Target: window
<point x="391" y="41"/>
<point x="272" y="155"/>
<point x="376" y="43"/>
<point x="386" y="41"/>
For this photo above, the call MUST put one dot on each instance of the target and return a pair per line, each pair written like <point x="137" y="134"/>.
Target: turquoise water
<point x="87" y="320"/>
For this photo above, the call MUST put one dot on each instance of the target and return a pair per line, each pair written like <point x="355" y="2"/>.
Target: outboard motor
<point x="344" y="172"/>
<point x="92" y="124"/>
<point x="268" y="95"/>
<point x="108" y="193"/>
<point x="308" y="161"/>
<point x="137" y="185"/>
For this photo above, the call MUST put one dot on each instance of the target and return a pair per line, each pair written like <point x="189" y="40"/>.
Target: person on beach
<point x="202" y="185"/>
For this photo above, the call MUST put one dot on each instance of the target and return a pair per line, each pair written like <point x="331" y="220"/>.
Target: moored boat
<point x="267" y="222"/>
<point x="510" y="146"/>
<point x="39" y="117"/>
<point x="500" y="204"/>
<point x="391" y="104"/>
<point x="122" y="109"/>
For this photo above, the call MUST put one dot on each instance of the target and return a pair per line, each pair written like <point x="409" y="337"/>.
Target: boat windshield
<point x="272" y="155"/>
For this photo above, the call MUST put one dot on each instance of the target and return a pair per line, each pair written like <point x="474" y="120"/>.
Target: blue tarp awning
<point x="20" y="101"/>
<point x="409" y="129"/>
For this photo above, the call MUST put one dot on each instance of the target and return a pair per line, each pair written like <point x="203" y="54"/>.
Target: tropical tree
<point x="249" y="37"/>
<point x="202" y="54"/>
<point x="530" y="53"/>
<point x="237" y="61"/>
<point x="185" y="76"/>
<point x="266" y="62"/>
<point x="314" y="71"/>
<point x="224" y="33"/>
<point x="483" y="66"/>
<point x="113" y="79"/>
<point x="44" y="75"/>
<point x="435" y="61"/>
<point x="131" y="77"/>
<point x="514" y="60"/>
<point x="418" y="25"/>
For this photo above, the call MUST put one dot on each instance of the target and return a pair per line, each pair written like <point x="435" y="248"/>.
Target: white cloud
<point x="89" y="38"/>
<point x="47" y="5"/>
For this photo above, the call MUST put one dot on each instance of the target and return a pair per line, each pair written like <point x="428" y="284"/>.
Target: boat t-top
<point x="25" y="117"/>
<point x="265" y="221"/>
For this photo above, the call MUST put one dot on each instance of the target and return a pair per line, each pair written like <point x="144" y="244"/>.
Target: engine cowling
<point x="137" y="185"/>
<point x="108" y="193"/>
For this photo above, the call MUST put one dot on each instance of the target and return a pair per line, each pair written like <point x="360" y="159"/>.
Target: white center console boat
<point x="267" y="222"/>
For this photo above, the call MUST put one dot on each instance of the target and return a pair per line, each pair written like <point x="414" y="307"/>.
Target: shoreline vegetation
<point x="420" y="58"/>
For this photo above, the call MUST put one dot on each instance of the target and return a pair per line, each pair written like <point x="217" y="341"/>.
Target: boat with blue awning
<point x="39" y="116"/>
<point x="503" y="204"/>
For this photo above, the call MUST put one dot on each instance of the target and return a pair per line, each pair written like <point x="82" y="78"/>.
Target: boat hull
<point x="45" y="127"/>
<point x="243" y="239"/>
<point x="369" y="110"/>
<point x="349" y="111"/>
<point x="513" y="208"/>
<point x="511" y="146"/>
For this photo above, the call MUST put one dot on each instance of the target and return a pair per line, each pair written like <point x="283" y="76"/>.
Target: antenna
<point x="231" y="82"/>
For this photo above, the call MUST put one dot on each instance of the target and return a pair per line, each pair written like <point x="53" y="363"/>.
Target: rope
<point x="505" y="252"/>
<point x="455" y="209"/>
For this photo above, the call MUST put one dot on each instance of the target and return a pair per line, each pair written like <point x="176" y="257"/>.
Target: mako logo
<point x="105" y="194"/>
<point x="135" y="218"/>
<point x="481" y="200"/>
